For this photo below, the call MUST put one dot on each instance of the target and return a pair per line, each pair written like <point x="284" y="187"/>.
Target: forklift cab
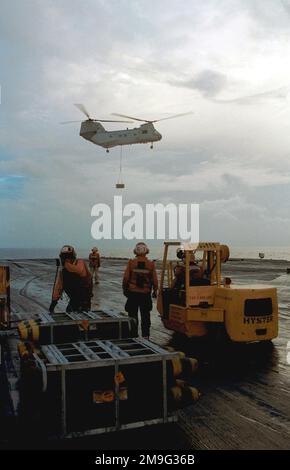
<point x="189" y="281"/>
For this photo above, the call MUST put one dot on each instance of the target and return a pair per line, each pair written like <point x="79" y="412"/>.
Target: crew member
<point x="196" y="272"/>
<point x="75" y="280"/>
<point x="139" y="282"/>
<point x="94" y="264"/>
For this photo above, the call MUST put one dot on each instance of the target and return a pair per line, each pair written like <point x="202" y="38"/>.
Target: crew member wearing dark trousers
<point x="139" y="284"/>
<point x="75" y="280"/>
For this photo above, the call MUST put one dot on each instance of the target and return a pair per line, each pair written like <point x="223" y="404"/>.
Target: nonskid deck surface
<point x="245" y="402"/>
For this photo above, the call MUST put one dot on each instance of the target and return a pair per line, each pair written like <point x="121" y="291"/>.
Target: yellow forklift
<point x="194" y="301"/>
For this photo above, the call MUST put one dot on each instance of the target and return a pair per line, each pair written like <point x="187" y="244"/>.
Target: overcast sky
<point x="228" y="61"/>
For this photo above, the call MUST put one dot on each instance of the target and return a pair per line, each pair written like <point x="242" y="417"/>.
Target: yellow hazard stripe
<point x="34" y="329"/>
<point x="180" y="383"/>
<point x="22" y="349"/>
<point x="195" y="394"/>
<point x="177" y="366"/>
<point x="193" y="364"/>
<point x="181" y="354"/>
<point x="177" y="393"/>
<point x="23" y="331"/>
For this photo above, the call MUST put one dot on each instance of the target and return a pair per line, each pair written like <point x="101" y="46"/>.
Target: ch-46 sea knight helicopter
<point x="92" y="130"/>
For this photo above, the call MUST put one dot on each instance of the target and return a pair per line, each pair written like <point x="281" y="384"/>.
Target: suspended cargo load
<point x="124" y="385"/>
<point x="49" y="328"/>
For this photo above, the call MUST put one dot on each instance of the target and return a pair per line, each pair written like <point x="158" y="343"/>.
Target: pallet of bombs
<point x="97" y="386"/>
<point x="54" y="328"/>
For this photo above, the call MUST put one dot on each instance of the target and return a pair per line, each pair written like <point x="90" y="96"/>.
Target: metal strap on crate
<point x="149" y="345"/>
<point x="111" y="312"/>
<point x="92" y="315"/>
<point x="74" y="316"/>
<point x="113" y="349"/>
<point x="105" y="315"/>
<point x="45" y="317"/>
<point x="53" y="354"/>
<point x="84" y="349"/>
<point x="117" y="351"/>
<point x="83" y="315"/>
<point x="43" y="371"/>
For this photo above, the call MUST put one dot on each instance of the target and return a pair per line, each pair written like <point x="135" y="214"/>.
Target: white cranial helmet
<point x="67" y="250"/>
<point x="141" y="249"/>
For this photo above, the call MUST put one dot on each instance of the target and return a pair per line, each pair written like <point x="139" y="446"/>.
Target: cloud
<point x="116" y="56"/>
<point x="277" y="94"/>
<point x="208" y="82"/>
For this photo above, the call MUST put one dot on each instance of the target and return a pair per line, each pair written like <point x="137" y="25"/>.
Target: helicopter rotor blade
<point x="130" y="117"/>
<point x="173" y="117"/>
<point x="153" y="120"/>
<point x="94" y="120"/>
<point x="82" y="108"/>
<point x="68" y="122"/>
<point x="109" y="120"/>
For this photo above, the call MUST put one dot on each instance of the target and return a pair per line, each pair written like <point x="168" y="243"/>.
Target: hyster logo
<point x="288" y="353"/>
<point x="255" y="320"/>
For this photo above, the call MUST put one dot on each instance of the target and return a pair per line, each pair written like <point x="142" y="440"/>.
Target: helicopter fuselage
<point x="97" y="134"/>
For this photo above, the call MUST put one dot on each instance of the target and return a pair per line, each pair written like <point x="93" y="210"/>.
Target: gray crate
<point x="71" y="373"/>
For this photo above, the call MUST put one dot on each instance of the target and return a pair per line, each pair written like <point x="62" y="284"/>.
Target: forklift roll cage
<point x="211" y="263"/>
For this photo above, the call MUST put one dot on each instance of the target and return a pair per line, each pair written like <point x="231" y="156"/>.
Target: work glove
<point x="52" y="306"/>
<point x="126" y="292"/>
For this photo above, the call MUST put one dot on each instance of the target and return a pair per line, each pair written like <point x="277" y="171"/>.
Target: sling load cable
<point x="120" y="184"/>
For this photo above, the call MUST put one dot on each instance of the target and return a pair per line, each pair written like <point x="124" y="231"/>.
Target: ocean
<point x="121" y="250"/>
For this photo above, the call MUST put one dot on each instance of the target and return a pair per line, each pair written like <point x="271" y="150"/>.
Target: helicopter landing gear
<point x="151" y="146"/>
<point x="107" y="150"/>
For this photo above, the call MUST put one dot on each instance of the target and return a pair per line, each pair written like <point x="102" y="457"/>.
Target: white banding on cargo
<point x="43" y="371"/>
